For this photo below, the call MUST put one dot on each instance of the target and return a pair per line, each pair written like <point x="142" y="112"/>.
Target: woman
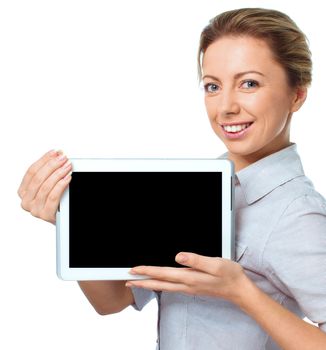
<point x="255" y="68"/>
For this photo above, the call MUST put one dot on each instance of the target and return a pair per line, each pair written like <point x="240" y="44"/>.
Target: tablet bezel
<point x="141" y="165"/>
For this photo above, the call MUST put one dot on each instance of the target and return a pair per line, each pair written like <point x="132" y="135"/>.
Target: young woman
<point x="255" y="66"/>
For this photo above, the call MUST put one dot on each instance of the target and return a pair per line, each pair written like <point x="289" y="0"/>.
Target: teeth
<point x="235" y="128"/>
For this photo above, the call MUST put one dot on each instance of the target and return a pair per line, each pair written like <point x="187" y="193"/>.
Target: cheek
<point x="211" y="108"/>
<point x="254" y="104"/>
<point x="270" y="108"/>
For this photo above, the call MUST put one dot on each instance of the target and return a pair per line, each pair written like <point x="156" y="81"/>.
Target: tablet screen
<point x="125" y="219"/>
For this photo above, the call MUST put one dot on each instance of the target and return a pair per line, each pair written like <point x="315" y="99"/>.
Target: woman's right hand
<point x="43" y="185"/>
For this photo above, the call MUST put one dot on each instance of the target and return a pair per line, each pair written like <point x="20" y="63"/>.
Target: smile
<point x="236" y="130"/>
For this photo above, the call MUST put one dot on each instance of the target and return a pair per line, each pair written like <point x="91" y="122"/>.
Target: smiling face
<point x="248" y="99"/>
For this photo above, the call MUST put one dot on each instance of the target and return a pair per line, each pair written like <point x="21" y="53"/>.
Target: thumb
<point x="206" y="264"/>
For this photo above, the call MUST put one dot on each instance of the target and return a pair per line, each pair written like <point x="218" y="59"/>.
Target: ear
<point x="299" y="98"/>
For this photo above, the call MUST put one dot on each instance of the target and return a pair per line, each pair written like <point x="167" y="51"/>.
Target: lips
<point x="236" y="130"/>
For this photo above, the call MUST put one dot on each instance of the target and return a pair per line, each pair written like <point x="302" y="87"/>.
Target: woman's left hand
<point x="208" y="276"/>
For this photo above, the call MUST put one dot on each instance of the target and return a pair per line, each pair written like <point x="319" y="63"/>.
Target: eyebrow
<point x="236" y="76"/>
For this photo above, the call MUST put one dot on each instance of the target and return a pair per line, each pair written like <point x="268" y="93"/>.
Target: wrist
<point x="246" y="292"/>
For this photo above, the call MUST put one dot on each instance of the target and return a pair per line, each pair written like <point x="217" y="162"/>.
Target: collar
<point x="265" y="175"/>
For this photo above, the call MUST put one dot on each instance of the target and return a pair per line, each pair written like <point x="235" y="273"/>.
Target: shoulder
<point x="300" y="229"/>
<point x="302" y="200"/>
<point x="300" y="232"/>
<point x="298" y="197"/>
<point x="303" y="213"/>
<point x="292" y="207"/>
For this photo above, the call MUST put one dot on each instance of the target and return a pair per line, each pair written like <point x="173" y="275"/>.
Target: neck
<point x="241" y="161"/>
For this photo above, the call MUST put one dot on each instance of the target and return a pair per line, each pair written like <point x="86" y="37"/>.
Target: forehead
<point x="231" y="55"/>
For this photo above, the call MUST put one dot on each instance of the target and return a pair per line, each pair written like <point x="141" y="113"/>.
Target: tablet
<point x="120" y="213"/>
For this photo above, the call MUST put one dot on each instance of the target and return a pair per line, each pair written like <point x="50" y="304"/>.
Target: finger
<point x="49" y="184"/>
<point x="186" y="276"/>
<point x="206" y="264"/>
<point x="33" y="169"/>
<point x="42" y="174"/>
<point x="158" y="285"/>
<point x="158" y="272"/>
<point x="53" y="199"/>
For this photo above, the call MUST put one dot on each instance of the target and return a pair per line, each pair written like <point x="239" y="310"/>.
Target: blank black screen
<point x="124" y="219"/>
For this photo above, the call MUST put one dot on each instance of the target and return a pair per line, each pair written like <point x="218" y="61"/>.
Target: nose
<point x="228" y="104"/>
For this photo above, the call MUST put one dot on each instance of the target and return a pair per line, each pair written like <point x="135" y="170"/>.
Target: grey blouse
<point x="280" y="242"/>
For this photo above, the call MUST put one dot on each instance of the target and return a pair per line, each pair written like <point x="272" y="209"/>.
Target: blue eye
<point x="249" y="84"/>
<point x="211" y="88"/>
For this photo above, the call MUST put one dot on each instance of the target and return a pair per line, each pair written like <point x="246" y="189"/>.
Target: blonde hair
<point x="287" y="42"/>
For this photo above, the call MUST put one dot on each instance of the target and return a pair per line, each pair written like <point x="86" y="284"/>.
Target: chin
<point x="241" y="149"/>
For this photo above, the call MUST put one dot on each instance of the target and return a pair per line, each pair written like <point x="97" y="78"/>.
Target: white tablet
<point x="120" y="213"/>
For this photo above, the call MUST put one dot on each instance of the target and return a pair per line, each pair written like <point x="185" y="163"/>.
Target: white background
<point x="107" y="79"/>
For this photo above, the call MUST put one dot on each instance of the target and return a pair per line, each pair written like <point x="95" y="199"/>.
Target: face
<point x="248" y="100"/>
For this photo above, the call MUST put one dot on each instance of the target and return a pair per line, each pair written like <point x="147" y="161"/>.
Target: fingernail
<point x="181" y="258"/>
<point x="61" y="157"/>
<point x="132" y="272"/>
<point x="55" y="152"/>
<point x="128" y="284"/>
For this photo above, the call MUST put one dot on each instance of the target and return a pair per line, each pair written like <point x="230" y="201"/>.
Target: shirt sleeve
<point x="295" y="256"/>
<point x="142" y="297"/>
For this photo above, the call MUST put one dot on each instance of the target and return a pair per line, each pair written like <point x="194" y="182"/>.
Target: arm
<point x="40" y="191"/>
<point x="107" y="297"/>
<point x="287" y="329"/>
<point x="226" y="279"/>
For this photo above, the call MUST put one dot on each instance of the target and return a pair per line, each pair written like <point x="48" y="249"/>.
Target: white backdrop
<point x="107" y="79"/>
